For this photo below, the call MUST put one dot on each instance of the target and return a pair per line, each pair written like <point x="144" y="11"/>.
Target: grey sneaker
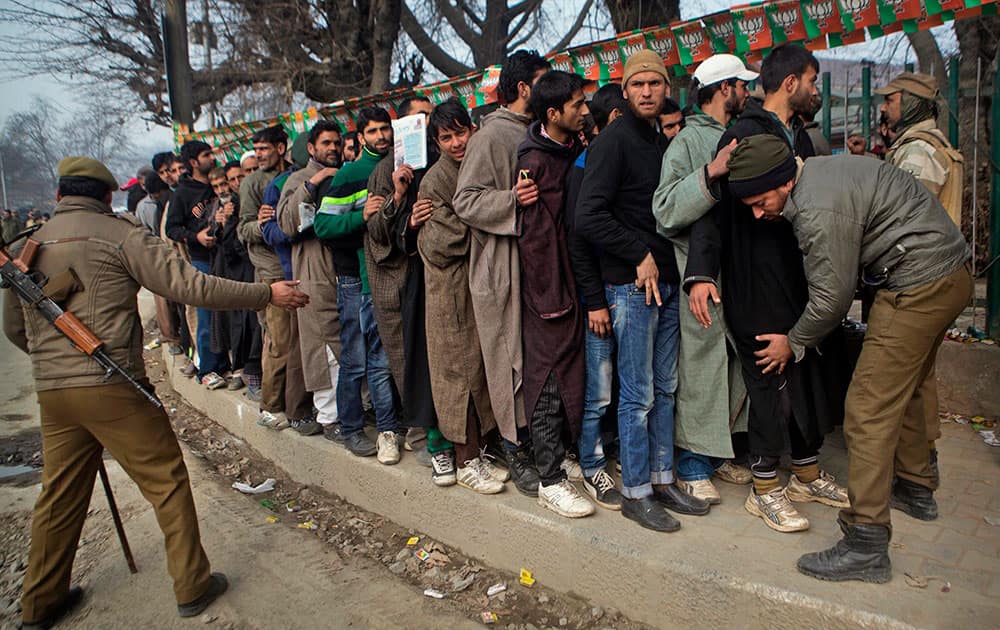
<point x="823" y="490"/>
<point x="601" y="487"/>
<point x="443" y="468"/>
<point x="776" y="511"/>
<point x="306" y="426"/>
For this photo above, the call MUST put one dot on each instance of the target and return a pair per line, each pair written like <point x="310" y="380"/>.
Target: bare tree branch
<point x="429" y="48"/>
<point x="575" y="28"/>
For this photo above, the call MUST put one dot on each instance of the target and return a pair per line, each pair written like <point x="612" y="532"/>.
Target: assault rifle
<point x="15" y="274"/>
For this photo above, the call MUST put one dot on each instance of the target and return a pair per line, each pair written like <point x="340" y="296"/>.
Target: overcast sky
<point x="17" y="94"/>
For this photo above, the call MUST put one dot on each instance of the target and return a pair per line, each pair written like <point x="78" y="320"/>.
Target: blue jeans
<point x="693" y="466"/>
<point x="597" y="396"/>
<point x="361" y="354"/>
<point x="648" y="338"/>
<point x="208" y="361"/>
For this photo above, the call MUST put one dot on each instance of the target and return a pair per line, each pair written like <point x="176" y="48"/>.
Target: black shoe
<point x="360" y="444"/>
<point x="523" y="471"/>
<point x="650" y="514"/>
<point x="676" y="500"/>
<point x="63" y="608"/>
<point x="602" y="488"/>
<point x="332" y="433"/>
<point x="862" y="554"/>
<point x="216" y="587"/>
<point x="306" y="426"/>
<point x="913" y="499"/>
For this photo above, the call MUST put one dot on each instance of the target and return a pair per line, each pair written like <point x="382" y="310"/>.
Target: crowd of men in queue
<point x="538" y="271"/>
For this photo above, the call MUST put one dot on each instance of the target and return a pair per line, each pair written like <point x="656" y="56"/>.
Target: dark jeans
<point x="208" y="361"/>
<point x="597" y="397"/>
<point x="361" y="355"/>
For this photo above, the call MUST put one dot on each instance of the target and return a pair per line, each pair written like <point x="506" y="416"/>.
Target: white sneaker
<point x="500" y="474"/>
<point x="476" y="477"/>
<point x="702" y="489"/>
<point x="213" y="381"/>
<point x="572" y="468"/>
<point x="272" y="421"/>
<point x="565" y="500"/>
<point x="388" y="448"/>
<point x="443" y="468"/>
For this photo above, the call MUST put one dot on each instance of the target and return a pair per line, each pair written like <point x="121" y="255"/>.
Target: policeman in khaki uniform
<point x="95" y="262"/>
<point x="922" y="150"/>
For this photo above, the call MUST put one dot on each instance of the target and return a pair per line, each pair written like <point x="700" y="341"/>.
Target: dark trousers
<point x="546" y="428"/>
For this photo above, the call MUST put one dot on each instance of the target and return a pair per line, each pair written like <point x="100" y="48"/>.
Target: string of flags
<point x="749" y="31"/>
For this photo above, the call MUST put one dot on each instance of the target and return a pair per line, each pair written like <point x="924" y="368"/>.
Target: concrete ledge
<point x="723" y="570"/>
<point x="968" y="374"/>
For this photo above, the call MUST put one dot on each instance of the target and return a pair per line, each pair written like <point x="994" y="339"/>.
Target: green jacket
<point x="703" y="419"/>
<point x="855" y="215"/>
<point x="11" y="227"/>
<point x="341" y="209"/>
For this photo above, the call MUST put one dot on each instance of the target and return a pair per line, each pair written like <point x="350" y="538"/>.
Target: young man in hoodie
<point x="705" y="418"/>
<point x="486" y="199"/>
<point x="190" y="223"/>
<point x="764" y="291"/>
<point x="641" y="283"/>
<point x="550" y="317"/>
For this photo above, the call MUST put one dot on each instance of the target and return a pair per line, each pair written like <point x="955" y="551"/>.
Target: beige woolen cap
<point x="644" y="61"/>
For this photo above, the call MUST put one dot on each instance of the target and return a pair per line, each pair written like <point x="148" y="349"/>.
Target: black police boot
<point x="862" y="554"/>
<point x="913" y="499"/>
<point x="523" y="471"/>
<point x="60" y="610"/>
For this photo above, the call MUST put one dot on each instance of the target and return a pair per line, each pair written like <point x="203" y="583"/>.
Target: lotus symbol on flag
<point x="751" y="27"/>
<point x="609" y="57"/>
<point x="691" y="39"/>
<point x="786" y="19"/>
<point x="856" y="6"/>
<point x="819" y="11"/>
<point x="586" y="60"/>
<point x="631" y="49"/>
<point x="663" y="46"/>
<point x="722" y="29"/>
<point x="465" y="88"/>
<point x="563" y="66"/>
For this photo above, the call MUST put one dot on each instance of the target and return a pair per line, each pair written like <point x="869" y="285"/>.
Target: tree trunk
<point x="385" y="30"/>
<point x="628" y="15"/>
<point x="977" y="39"/>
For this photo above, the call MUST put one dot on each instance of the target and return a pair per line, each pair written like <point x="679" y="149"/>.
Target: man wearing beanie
<point x="704" y="418"/>
<point x="614" y="213"/>
<point x="857" y="216"/>
<point x="764" y="291"/>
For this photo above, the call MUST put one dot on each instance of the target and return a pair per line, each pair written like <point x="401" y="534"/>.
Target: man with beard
<point x="313" y="266"/>
<point x="641" y="284"/>
<point x="189" y="222"/>
<point x="764" y="292"/>
<point x="821" y="146"/>
<point x="396" y="282"/>
<point x="341" y="222"/>
<point x="705" y="419"/>
<point x="486" y="199"/>
<point x="169" y="315"/>
<point x="551" y="323"/>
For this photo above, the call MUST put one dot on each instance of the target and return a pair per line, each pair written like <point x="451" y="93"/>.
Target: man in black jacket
<point x="614" y="212"/>
<point x="188" y="223"/>
<point x="764" y="292"/>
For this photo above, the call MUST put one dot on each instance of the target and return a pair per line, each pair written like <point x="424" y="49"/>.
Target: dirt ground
<point x="295" y="557"/>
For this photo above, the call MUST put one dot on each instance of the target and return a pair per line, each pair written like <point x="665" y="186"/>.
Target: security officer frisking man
<point x="95" y="263"/>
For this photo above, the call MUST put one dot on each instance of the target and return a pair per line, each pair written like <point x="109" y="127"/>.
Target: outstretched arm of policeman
<point x="160" y="269"/>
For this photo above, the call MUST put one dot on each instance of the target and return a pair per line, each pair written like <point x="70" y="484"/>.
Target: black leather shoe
<point x="650" y="514"/>
<point x="913" y="499"/>
<point x="523" y="471"/>
<point x="63" y="608"/>
<point x="216" y="587"/>
<point x="676" y="500"/>
<point x="862" y="554"/>
<point x="360" y="444"/>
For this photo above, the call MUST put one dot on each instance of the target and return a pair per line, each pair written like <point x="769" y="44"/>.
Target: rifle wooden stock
<point x="75" y="330"/>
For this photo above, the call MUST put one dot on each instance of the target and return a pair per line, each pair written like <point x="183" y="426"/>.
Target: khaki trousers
<point x="166" y="321"/>
<point x="893" y="390"/>
<point x="77" y="424"/>
<point x="282" y="387"/>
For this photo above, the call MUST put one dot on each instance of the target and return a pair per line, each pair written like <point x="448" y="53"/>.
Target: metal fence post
<point x="953" y="102"/>
<point x="993" y="275"/>
<point x="826" y="106"/>
<point x="866" y="104"/>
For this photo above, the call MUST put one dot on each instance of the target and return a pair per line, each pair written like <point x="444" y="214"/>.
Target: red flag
<point x="753" y="32"/>
<point x="858" y="14"/>
<point x="693" y="44"/>
<point x="662" y="41"/>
